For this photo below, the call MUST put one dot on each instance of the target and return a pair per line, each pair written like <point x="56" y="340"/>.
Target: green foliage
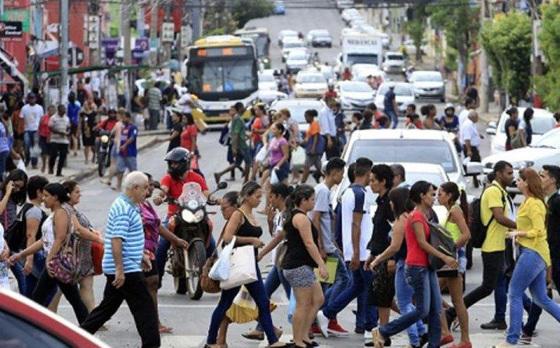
<point x="507" y="40"/>
<point x="548" y="86"/>
<point x="416" y="27"/>
<point x="245" y="10"/>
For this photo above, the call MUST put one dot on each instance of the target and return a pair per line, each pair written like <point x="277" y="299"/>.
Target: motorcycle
<point x="191" y="223"/>
<point x="103" y="153"/>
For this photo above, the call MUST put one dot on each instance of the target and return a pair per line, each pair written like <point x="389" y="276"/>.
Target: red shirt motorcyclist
<point x="109" y="123"/>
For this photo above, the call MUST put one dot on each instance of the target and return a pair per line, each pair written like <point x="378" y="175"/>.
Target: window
<point x="222" y="76"/>
<point x="22" y="334"/>
<point x="405" y="150"/>
<point x="362" y="59"/>
<point x="427" y="77"/>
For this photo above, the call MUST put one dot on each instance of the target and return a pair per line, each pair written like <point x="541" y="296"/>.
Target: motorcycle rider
<point x="178" y="173"/>
<point x="449" y="121"/>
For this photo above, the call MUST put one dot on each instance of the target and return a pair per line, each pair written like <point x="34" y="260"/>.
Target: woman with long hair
<point x="279" y="155"/>
<point x="302" y="256"/>
<point x="531" y="267"/>
<point x="243" y="226"/>
<point x="401" y="207"/>
<point x="455" y="201"/>
<point x="419" y="275"/>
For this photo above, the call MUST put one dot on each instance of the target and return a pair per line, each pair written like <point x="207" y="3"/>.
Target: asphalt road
<point x="190" y="319"/>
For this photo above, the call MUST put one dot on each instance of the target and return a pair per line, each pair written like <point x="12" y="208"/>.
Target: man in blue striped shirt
<point x="123" y="263"/>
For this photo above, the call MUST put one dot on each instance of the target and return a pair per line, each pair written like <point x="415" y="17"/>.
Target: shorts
<point x="300" y="277"/>
<point x="153" y="271"/>
<point x="124" y="163"/>
<point x="313" y="160"/>
<point x="74" y="129"/>
<point x="44" y="146"/>
<point x="244" y="156"/>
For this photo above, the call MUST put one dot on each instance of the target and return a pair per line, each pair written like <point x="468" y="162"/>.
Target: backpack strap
<point x="503" y="202"/>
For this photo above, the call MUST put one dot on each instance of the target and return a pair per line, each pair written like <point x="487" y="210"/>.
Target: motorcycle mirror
<point x="222" y="185"/>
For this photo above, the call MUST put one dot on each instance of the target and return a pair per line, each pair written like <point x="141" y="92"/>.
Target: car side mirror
<point x="474" y="168"/>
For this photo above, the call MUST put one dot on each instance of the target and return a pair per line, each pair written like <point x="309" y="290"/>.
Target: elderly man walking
<point x="122" y="264"/>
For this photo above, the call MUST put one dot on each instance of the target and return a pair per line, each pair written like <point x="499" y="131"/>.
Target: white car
<point x="542" y="122"/>
<point x="291" y="44"/>
<point x="269" y="96"/>
<point x="350" y="13"/>
<point x="297" y="60"/>
<point x="360" y="72"/>
<point x="428" y="84"/>
<point x="404" y="95"/>
<point x="284" y="34"/>
<point x="267" y="80"/>
<point x="355" y="95"/>
<point x="319" y="38"/>
<point x="409" y="146"/>
<point x="544" y="151"/>
<point x="394" y="63"/>
<point x="297" y="109"/>
<point x="310" y="84"/>
<point x="343" y="4"/>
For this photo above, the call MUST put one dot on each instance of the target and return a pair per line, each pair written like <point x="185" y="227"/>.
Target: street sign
<point x="93" y="32"/>
<point x="186" y="35"/>
<point x="10" y="30"/>
<point x="77" y="54"/>
<point x="110" y="45"/>
<point x="142" y="43"/>
<point x="138" y="53"/>
<point x="167" y="32"/>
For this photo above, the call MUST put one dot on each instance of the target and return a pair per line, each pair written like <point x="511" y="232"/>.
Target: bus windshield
<point x="223" y="76"/>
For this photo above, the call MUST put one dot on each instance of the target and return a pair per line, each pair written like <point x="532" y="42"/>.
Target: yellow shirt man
<point x="494" y="197"/>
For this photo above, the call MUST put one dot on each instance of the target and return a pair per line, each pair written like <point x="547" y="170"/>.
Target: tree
<point x="507" y="40"/>
<point x="245" y="10"/>
<point x="548" y="85"/>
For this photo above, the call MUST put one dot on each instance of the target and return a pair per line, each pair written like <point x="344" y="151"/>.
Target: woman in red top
<point x="44" y="135"/>
<point x="419" y="275"/>
<point x="188" y="140"/>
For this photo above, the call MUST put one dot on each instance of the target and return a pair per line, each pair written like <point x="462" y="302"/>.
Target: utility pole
<point x="125" y="32"/>
<point x="167" y="18"/>
<point x="63" y="50"/>
<point x="154" y="11"/>
<point x="484" y="76"/>
<point x="196" y="19"/>
<point x="94" y="22"/>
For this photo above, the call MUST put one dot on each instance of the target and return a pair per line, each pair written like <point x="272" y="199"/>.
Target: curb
<point x="82" y="175"/>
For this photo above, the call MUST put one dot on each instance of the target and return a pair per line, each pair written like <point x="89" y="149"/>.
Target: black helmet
<point x="181" y="156"/>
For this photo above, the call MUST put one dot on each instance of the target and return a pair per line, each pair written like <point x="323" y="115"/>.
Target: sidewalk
<point x="77" y="170"/>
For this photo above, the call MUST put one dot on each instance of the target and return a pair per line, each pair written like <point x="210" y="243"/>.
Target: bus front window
<point x="221" y="76"/>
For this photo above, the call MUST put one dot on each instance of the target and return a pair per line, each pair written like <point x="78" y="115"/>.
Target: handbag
<point x="441" y="240"/>
<point x="243" y="267"/>
<point x="65" y="265"/>
<point x="97" y="251"/>
<point x="208" y="284"/>
<point x="221" y="268"/>
<point x="281" y="250"/>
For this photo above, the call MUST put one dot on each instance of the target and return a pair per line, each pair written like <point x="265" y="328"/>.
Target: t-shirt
<point x="44" y="130"/>
<point x="416" y="256"/>
<point x="59" y="124"/>
<point x="355" y="200"/>
<point x="124" y="222"/>
<point x="388" y="100"/>
<point x="237" y="131"/>
<point x="175" y="142"/>
<point x="510" y="123"/>
<point x="275" y="150"/>
<point x="4" y="139"/>
<point x="553" y="224"/>
<point x="31" y="115"/>
<point x="74" y="112"/>
<point x="176" y="187"/>
<point x="129" y="131"/>
<point x="530" y="219"/>
<point x="255" y="127"/>
<point x="151" y="222"/>
<point x="323" y="207"/>
<point x="381" y="225"/>
<point x="154" y="98"/>
<point x="327" y="122"/>
<point x="187" y="137"/>
<point x="470" y="132"/>
<point x="493" y="197"/>
<point x="47" y="231"/>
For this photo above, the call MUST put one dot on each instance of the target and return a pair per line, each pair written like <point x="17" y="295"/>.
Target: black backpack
<point x="477" y="228"/>
<point x="16" y="235"/>
<point x="442" y="241"/>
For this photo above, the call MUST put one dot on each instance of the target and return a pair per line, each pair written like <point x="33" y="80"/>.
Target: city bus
<point x="261" y="40"/>
<point x="221" y="71"/>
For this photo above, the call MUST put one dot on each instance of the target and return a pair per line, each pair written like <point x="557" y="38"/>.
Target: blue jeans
<point x="30" y="140"/>
<point x="393" y="117"/>
<point x="273" y="281"/>
<point x="366" y="314"/>
<point x="428" y="305"/>
<point x="341" y="280"/>
<point x="404" y="293"/>
<point x="529" y="272"/>
<point x="257" y="291"/>
<point x="3" y="157"/>
<point x="17" y="270"/>
<point x="500" y="298"/>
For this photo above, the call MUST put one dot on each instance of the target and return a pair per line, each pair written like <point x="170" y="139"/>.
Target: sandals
<point x="254" y="335"/>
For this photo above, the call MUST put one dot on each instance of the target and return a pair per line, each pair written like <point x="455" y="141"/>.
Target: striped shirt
<point x="124" y="222"/>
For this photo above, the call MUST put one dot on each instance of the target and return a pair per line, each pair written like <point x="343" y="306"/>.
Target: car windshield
<point x="425" y="77"/>
<point x="297" y="111"/>
<point x="311" y="78"/>
<point x="362" y="59"/>
<point x="222" y="76"/>
<point x="292" y="44"/>
<point x="431" y="177"/>
<point x="541" y="124"/>
<point x="400" y="90"/>
<point x="355" y="87"/>
<point x="395" y="57"/>
<point x="298" y="55"/>
<point x="405" y="150"/>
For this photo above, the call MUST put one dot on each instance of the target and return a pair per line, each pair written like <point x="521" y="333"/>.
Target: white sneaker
<point x="505" y="345"/>
<point x="323" y="323"/>
<point x="368" y="339"/>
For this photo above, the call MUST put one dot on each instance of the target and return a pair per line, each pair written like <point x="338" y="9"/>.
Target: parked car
<point x="310" y="84"/>
<point x="404" y="94"/>
<point x="284" y="34"/>
<point x="25" y="323"/>
<point x="350" y="13"/>
<point x="297" y="109"/>
<point x="355" y="95"/>
<point x="319" y="38"/>
<point x="542" y="122"/>
<point x="290" y="44"/>
<point x="394" y="63"/>
<point x="297" y="60"/>
<point x="343" y="4"/>
<point x="279" y="8"/>
<point x="428" y="84"/>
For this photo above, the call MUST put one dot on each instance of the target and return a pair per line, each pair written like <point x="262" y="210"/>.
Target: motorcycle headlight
<point x="192" y="204"/>
<point x="199" y="215"/>
<point x="188" y="217"/>
<point x="104" y="138"/>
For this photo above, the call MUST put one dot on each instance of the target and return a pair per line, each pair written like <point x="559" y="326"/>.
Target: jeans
<point x="257" y="291"/>
<point x="404" y="293"/>
<point x="341" y="280"/>
<point x="17" y="270"/>
<point x="393" y="117"/>
<point x="140" y="302"/>
<point x="60" y="151"/>
<point x="30" y="139"/>
<point x="529" y="272"/>
<point x="154" y="118"/>
<point x="45" y="287"/>
<point x="3" y="158"/>
<point x="492" y="270"/>
<point x="556" y="271"/>
<point x="32" y="279"/>
<point x="428" y="305"/>
<point x="273" y="281"/>
<point x="366" y="314"/>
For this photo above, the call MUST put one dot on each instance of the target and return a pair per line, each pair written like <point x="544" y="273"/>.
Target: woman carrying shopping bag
<point x="243" y="227"/>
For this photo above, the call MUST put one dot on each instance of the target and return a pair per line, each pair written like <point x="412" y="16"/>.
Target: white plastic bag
<point x="243" y="268"/>
<point x="291" y="306"/>
<point x="20" y="164"/>
<point x="220" y="269"/>
<point x="274" y="177"/>
<point x="298" y="158"/>
<point x="261" y="155"/>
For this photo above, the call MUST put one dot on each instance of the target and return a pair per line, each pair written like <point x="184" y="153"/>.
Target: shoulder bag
<point x="66" y="264"/>
<point x="441" y="240"/>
